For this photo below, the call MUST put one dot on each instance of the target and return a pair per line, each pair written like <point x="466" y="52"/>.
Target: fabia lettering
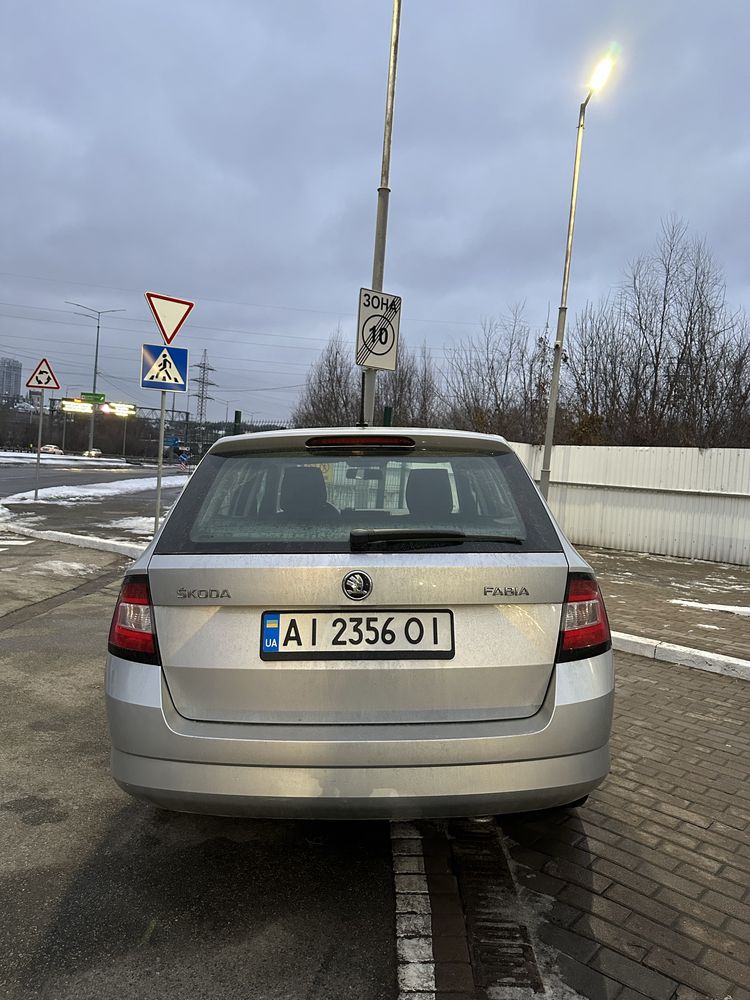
<point x="506" y="592"/>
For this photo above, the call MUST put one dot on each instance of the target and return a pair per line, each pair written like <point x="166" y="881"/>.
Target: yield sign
<point x="169" y="313"/>
<point x="43" y="377"/>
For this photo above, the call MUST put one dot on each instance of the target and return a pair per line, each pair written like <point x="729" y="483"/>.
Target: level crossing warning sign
<point x="43" y="377"/>
<point x="378" y="323"/>
<point x="164" y="367"/>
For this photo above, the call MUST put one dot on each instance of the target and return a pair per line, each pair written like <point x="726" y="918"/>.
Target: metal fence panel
<point x="671" y="501"/>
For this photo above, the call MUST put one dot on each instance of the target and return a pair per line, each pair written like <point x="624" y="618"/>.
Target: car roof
<point x="431" y="438"/>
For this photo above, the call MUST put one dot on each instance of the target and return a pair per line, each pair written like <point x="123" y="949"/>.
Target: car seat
<point x="428" y="494"/>
<point x="303" y="495"/>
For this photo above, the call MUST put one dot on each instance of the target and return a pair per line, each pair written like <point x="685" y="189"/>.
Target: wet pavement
<point x="691" y="603"/>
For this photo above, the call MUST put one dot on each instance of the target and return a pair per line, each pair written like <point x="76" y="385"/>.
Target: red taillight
<point x="584" y="630"/>
<point x="132" y="634"/>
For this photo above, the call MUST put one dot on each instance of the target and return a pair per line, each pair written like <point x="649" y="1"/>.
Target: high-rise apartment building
<point x="10" y="380"/>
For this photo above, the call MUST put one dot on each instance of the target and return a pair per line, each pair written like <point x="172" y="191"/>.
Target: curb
<point x="132" y="549"/>
<point x="652" y="649"/>
<point x="698" y="659"/>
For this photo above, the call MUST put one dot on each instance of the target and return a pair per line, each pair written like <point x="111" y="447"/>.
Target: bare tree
<point x="412" y="390"/>
<point x="497" y="382"/>
<point x="331" y="394"/>
<point x="665" y="361"/>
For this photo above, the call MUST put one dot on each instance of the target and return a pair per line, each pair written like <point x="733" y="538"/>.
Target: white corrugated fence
<point x="670" y="501"/>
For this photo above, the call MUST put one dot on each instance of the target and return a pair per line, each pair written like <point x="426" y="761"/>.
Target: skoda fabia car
<point x="360" y="623"/>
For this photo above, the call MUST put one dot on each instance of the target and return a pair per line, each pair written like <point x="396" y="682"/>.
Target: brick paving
<point x="638" y="590"/>
<point x="645" y="890"/>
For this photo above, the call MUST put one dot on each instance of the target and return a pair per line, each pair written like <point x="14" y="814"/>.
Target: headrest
<point x="428" y="493"/>
<point x="302" y="489"/>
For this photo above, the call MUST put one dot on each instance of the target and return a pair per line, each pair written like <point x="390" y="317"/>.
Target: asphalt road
<point x="106" y="897"/>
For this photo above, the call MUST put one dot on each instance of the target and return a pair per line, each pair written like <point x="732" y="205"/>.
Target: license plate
<point x="343" y="635"/>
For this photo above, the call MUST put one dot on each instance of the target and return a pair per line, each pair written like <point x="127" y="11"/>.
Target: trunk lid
<point x="506" y="611"/>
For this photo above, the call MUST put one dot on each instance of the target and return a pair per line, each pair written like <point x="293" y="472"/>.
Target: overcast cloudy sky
<point x="228" y="151"/>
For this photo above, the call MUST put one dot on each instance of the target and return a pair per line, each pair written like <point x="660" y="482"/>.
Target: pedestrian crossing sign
<point x="164" y="367"/>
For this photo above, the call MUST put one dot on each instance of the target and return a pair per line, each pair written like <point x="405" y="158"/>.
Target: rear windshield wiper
<point x="361" y="539"/>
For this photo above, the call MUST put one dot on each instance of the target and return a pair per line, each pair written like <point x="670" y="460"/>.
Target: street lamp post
<point x="64" y="418"/>
<point x="98" y="313"/>
<point x="599" y="78"/>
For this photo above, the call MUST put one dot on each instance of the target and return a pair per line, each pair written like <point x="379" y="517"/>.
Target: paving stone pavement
<point x="645" y="890"/>
<point x="640" y="592"/>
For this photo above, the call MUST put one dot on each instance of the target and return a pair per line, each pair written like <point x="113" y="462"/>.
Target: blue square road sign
<point x="164" y="367"/>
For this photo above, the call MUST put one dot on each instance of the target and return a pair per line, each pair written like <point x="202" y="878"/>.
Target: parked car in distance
<point x="92" y="453"/>
<point x="51" y="449"/>
<point x="377" y="622"/>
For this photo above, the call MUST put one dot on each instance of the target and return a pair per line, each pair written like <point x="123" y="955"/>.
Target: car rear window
<point x="259" y="502"/>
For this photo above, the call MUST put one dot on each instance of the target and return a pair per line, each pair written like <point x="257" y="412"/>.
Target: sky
<point x="229" y="152"/>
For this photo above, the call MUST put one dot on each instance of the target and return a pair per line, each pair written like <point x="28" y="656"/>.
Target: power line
<point x="342" y="314"/>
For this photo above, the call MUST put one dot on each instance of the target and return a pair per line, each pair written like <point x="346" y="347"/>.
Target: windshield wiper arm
<point x="361" y="539"/>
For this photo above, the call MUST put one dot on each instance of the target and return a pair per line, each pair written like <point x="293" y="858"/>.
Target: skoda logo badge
<point x="357" y="586"/>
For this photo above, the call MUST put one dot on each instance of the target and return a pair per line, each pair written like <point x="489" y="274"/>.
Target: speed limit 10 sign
<point x="377" y="329"/>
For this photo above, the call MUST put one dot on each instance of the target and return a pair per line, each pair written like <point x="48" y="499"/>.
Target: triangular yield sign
<point x="169" y="313"/>
<point x="43" y="377"/>
<point x="164" y="370"/>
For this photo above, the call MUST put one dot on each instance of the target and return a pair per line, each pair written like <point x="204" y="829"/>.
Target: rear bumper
<point x="558" y="755"/>
<point x="363" y="792"/>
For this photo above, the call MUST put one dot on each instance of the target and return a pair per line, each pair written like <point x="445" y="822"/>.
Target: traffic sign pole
<point x="381" y="221"/>
<point x="161" y="459"/>
<point x="39" y="443"/>
<point x="165" y="367"/>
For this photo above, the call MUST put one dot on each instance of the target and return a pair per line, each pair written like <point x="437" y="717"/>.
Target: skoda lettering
<point x="202" y="595"/>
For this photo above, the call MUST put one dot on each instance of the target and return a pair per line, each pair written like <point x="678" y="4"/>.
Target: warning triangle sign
<point x="164" y="370"/>
<point x="169" y="313"/>
<point x="43" y="377"/>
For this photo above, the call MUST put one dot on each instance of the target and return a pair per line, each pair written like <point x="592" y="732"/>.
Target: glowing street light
<point x="601" y="73"/>
<point x="598" y="79"/>
<point x="97" y="314"/>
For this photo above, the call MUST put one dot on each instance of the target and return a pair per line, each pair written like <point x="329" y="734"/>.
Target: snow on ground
<point x="731" y="608"/>
<point x="133" y="525"/>
<point x="59" y="568"/>
<point x="29" y="458"/>
<point x="67" y="496"/>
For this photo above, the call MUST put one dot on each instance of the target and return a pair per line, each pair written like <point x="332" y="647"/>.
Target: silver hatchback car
<point x="360" y="623"/>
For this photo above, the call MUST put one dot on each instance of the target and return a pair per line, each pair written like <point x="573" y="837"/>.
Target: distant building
<point x="10" y="380"/>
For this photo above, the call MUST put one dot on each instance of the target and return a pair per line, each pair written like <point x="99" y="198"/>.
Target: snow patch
<point x="732" y="609"/>
<point x="68" y="495"/>
<point x="59" y="568"/>
<point x="29" y="458"/>
<point x="133" y="525"/>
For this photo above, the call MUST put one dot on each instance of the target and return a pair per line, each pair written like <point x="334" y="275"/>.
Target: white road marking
<point x="416" y="962"/>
